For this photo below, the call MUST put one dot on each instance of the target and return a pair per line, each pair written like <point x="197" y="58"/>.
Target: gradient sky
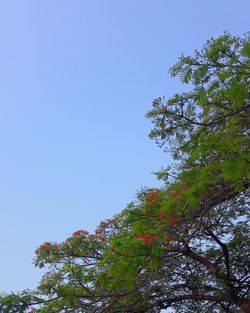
<point x="76" y="80"/>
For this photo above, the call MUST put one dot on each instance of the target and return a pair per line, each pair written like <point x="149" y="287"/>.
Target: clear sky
<point x="76" y="80"/>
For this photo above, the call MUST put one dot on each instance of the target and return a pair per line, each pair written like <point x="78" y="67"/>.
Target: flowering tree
<point x="185" y="246"/>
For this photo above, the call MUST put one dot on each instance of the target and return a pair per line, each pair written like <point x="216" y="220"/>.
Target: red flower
<point x="77" y="233"/>
<point x="153" y="196"/>
<point x="173" y="222"/>
<point x="160" y="215"/>
<point x="80" y="233"/>
<point x="147" y="238"/>
<point x="147" y="212"/>
<point x="43" y="247"/>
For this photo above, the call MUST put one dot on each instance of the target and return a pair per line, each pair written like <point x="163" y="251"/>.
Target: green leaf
<point x="246" y="50"/>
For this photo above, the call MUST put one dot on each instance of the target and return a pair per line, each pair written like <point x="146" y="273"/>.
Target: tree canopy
<point x="186" y="245"/>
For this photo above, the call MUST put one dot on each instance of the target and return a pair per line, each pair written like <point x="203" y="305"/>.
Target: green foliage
<point x="185" y="246"/>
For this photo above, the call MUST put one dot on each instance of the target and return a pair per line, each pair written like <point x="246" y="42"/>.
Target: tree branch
<point x="224" y="249"/>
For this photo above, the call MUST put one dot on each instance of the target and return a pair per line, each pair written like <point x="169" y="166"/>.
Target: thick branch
<point x="210" y="266"/>
<point x="224" y="249"/>
<point x="196" y="297"/>
<point x="220" y="194"/>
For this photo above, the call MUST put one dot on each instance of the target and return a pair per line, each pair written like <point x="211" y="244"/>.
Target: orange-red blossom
<point x="172" y="222"/>
<point x="42" y="247"/>
<point x="153" y="196"/>
<point x="147" y="238"/>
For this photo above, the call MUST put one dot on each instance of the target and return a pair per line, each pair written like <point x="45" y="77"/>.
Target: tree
<point x="185" y="246"/>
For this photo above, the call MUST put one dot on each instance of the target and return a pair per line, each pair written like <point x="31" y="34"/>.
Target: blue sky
<point x="76" y="80"/>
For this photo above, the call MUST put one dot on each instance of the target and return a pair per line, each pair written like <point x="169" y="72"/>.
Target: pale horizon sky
<point x="76" y="80"/>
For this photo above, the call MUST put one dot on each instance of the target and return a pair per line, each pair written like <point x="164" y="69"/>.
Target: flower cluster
<point x="80" y="233"/>
<point x="173" y="221"/>
<point x="160" y="216"/>
<point x="43" y="247"/>
<point x="147" y="238"/>
<point x="153" y="196"/>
